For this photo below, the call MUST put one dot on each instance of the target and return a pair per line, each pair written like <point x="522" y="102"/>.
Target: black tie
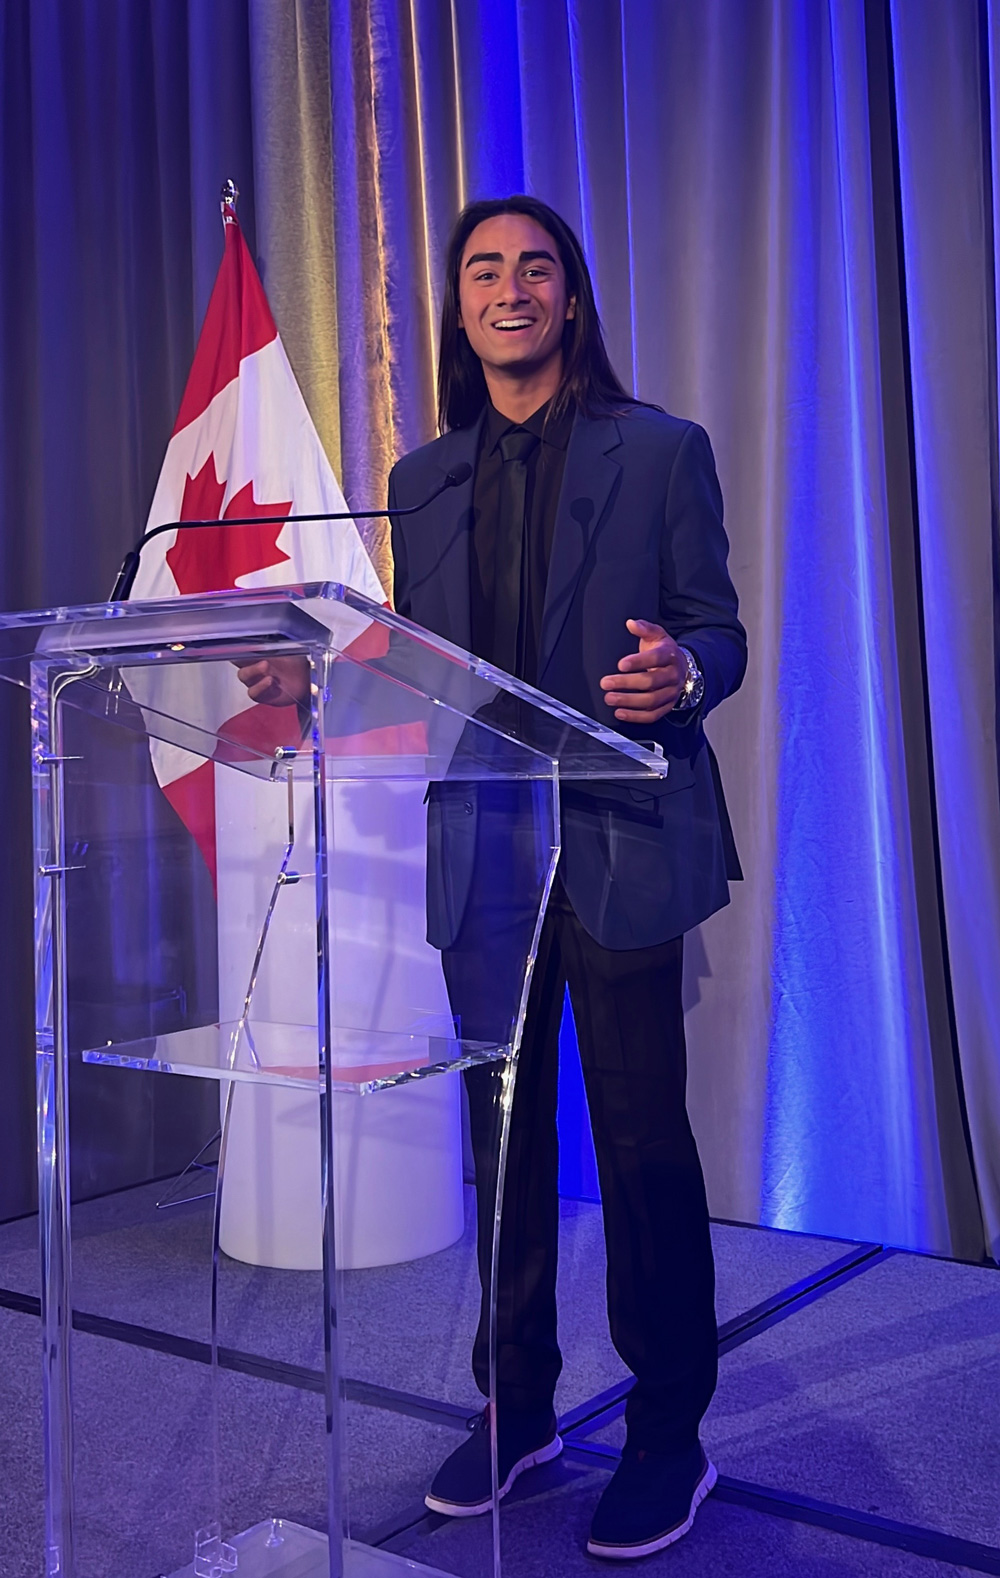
<point x="515" y="447"/>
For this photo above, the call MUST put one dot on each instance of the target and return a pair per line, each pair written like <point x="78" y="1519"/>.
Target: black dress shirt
<point x="545" y="467"/>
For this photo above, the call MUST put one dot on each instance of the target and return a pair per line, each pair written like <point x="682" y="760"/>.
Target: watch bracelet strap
<point x="694" y="684"/>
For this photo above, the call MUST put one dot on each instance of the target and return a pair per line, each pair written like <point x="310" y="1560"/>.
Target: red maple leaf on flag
<point x="213" y="559"/>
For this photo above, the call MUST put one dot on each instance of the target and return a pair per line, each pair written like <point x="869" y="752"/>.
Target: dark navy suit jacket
<point x="638" y="535"/>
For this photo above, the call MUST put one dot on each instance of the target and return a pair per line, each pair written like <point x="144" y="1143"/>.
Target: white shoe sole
<point x="624" y="1553"/>
<point x="473" y="1509"/>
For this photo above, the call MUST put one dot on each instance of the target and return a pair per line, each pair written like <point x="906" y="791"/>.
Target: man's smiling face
<point x="512" y="295"/>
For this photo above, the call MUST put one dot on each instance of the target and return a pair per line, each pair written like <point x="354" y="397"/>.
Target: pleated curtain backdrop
<point x="789" y="214"/>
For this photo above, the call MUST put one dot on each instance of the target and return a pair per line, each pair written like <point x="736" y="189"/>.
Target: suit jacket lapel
<point x="591" y="473"/>
<point x="453" y="515"/>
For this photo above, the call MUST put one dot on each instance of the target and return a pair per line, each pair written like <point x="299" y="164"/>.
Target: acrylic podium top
<point x="384" y="697"/>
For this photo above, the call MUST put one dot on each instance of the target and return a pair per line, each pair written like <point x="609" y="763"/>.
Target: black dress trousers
<point x="661" y="1279"/>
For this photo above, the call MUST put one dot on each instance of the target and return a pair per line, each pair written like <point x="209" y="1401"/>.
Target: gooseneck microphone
<point x="130" y="563"/>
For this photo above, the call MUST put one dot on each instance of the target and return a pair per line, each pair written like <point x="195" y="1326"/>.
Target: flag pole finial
<point x="229" y="198"/>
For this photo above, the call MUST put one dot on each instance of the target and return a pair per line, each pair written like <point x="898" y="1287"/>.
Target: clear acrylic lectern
<point x="352" y="862"/>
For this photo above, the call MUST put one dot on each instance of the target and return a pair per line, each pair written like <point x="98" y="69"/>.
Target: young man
<point x="586" y="554"/>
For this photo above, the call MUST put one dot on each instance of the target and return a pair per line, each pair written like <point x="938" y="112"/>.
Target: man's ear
<point x="571" y="308"/>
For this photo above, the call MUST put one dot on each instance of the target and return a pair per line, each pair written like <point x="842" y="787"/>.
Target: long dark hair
<point x="589" y="382"/>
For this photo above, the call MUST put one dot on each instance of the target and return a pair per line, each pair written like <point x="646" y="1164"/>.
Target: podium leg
<point x="57" y="1314"/>
<point x="53" y="1125"/>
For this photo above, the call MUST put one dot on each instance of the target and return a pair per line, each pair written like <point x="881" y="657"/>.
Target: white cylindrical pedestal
<point x="398" y="1152"/>
<point x="398" y="1179"/>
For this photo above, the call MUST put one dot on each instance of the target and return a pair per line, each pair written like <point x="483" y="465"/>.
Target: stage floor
<point x="855" y="1428"/>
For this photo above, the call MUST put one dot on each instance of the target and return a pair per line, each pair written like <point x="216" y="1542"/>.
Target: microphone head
<point x="460" y="474"/>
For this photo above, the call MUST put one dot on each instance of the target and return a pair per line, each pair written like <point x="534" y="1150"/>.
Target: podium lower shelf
<point x="279" y="1549"/>
<point x="279" y="1053"/>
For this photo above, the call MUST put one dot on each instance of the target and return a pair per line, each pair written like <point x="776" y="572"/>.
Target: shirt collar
<point x="555" y="432"/>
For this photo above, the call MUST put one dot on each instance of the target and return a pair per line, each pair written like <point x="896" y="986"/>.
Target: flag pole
<point x="228" y="198"/>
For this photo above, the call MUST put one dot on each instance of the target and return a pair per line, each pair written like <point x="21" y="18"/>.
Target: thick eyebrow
<point x="497" y="257"/>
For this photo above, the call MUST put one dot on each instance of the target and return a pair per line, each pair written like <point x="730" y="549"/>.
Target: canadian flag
<point x="243" y="445"/>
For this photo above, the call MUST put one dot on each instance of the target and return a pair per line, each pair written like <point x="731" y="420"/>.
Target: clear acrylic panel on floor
<point x="320" y="909"/>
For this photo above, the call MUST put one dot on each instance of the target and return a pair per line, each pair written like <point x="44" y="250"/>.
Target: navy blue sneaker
<point x="649" y="1502"/>
<point x="462" y="1486"/>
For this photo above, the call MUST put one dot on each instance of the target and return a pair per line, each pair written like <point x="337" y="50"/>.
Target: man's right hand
<point x="276" y="681"/>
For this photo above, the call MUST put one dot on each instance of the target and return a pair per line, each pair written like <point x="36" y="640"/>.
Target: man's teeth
<point x="513" y="323"/>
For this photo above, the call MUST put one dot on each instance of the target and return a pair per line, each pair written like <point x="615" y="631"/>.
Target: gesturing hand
<point x="276" y="681"/>
<point x="649" y="681"/>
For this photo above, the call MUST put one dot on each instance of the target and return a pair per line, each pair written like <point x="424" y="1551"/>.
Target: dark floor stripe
<point x="735" y="1332"/>
<point x="395" y="1534"/>
<point x="300" y="1376"/>
<point x="410" y="1403"/>
<point x="595" y="1407"/>
<point x="20" y="1303"/>
<point x="910" y="1537"/>
<point x="399" y="1543"/>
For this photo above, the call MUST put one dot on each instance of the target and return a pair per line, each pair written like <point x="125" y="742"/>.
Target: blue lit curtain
<point x="947" y="63"/>
<point x="789" y="212"/>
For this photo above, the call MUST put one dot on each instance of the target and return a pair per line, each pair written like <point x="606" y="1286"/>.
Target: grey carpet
<point x="138" y="1515"/>
<point x="145" y="1428"/>
<point x="879" y="1396"/>
<point x="21" y="1506"/>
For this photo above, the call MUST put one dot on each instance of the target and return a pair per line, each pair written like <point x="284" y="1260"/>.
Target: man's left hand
<point x="275" y="681"/>
<point x="649" y="681"/>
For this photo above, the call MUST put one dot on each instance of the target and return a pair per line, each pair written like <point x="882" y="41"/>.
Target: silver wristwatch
<point x="694" y="684"/>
